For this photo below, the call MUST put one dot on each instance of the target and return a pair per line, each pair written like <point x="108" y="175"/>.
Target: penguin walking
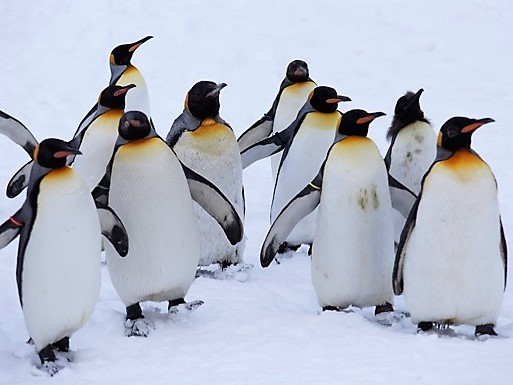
<point x="451" y="260"/>
<point x="146" y="184"/>
<point x="352" y="253"/>
<point x="305" y="144"/>
<point x="411" y="152"/>
<point x="205" y="143"/>
<point x="59" y="250"/>
<point x="292" y="95"/>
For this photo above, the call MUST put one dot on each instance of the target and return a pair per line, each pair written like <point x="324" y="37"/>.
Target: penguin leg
<point x="486" y="329"/>
<point x="175" y="302"/>
<point x="331" y="308"/>
<point x="47" y="354"/>
<point x="134" y="312"/>
<point x="135" y="324"/>
<point x="285" y="246"/>
<point x="310" y="249"/>
<point x="62" y="345"/>
<point x="425" y="326"/>
<point x="383" y="308"/>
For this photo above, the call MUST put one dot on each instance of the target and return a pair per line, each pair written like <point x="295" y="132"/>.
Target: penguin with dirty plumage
<point x="352" y="252"/>
<point x="205" y="143"/>
<point x="305" y="144"/>
<point x="151" y="191"/>
<point x="292" y="95"/>
<point x="451" y="261"/>
<point x="411" y="152"/>
<point x="58" y="269"/>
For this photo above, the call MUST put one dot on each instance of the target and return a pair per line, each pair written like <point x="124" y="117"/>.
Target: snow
<point x="268" y="329"/>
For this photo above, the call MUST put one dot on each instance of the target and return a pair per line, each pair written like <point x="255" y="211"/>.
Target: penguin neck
<point x="116" y="71"/>
<point x="398" y="123"/>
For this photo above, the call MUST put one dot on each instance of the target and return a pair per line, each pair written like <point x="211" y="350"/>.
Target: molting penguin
<point x="451" y="260"/>
<point x="292" y="95"/>
<point x="206" y="144"/>
<point x="411" y="152"/>
<point x="305" y="144"/>
<point x="147" y="186"/>
<point x="58" y="269"/>
<point x="352" y="253"/>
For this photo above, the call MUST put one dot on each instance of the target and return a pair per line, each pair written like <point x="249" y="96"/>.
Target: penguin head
<point x="122" y="54"/>
<point x="356" y="122"/>
<point x="52" y="153"/>
<point x="202" y="100"/>
<point x="456" y="133"/>
<point x="114" y="96"/>
<point x="325" y="99"/>
<point x="407" y="110"/>
<point x="134" y="125"/>
<point x="297" y="71"/>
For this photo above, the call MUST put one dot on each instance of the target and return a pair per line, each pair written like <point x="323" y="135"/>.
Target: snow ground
<point x="54" y="62"/>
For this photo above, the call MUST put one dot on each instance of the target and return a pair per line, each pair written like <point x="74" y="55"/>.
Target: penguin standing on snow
<point x="58" y="270"/>
<point x="305" y="144"/>
<point x="411" y="152"/>
<point x="352" y="253"/>
<point x="292" y="95"/>
<point x="146" y="184"/>
<point x="206" y="144"/>
<point x="451" y="260"/>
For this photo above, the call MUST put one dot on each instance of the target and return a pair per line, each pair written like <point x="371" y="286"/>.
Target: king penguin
<point x="292" y="95"/>
<point x="151" y="191"/>
<point x="352" y="252"/>
<point x="411" y="152"/>
<point x="58" y="269"/>
<point x="205" y="143"/>
<point x="451" y="260"/>
<point x="305" y="144"/>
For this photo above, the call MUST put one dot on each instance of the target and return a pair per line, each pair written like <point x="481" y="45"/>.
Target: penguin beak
<point x="123" y="90"/>
<point x="477" y="123"/>
<point x="300" y="71"/>
<point x="216" y="90"/>
<point x="137" y="44"/>
<point x="417" y="95"/>
<point x="338" y="99"/>
<point x="370" y="117"/>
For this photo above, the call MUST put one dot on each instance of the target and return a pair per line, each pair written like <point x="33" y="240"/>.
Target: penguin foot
<point x="51" y="368"/>
<point x="486" y="329"/>
<point x="331" y="308"/>
<point x="62" y="345"/>
<point x="424" y="326"/>
<point x="310" y="249"/>
<point x="285" y="246"/>
<point x="139" y="327"/>
<point x="47" y="354"/>
<point x="383" y="308"/>
<point x="237" y="271"/>
<point x="183" y="309"/>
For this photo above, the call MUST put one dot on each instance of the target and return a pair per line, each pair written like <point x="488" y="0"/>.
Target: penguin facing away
<point x="292" y="95"/>
<point x="58" y="269"/>
<point x="352" y="252"/>
<point x="305" y="144"/>
<point x="151" y="192"/>
<point x="451" y="260"/>
<point x="205" y="143"/>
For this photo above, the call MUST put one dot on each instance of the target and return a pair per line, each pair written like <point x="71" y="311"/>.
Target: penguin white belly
<point x="453" y="270"/>
<point x="61" y="266"/>
<point x="292" y="99"/>
<point x="413" y="153"/>
<point x="97" y="147"/>
<point x="301" y="165"/>
<point x="352" y="256"/>
<point x="138" y="98"/>
<point x="212" y="151"/>
<point x="150" y="194"/>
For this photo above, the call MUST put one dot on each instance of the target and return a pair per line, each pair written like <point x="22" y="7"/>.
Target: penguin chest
<point x="150" y="194"/>
<point x="352" y="254"/>
<point x="413" y="152"/>
<point x="97" y="147"/>
<point x="138" y="98"/>
<point x="292" y="98"/>
<point x="60" y="280"/>
<point x="453" y="269"/>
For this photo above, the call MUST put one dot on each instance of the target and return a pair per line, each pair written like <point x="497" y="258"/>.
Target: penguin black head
<point x="52" y="153"/>
<point x="356" y="122"/>
<point x="297" y="71"/>
<point x="114" y="96"/>
<point x="456" y="133"/>
<point x="134" y="125"/>
<point x="122" y="54"/>
<point x="407" y="110"/>
<point x="325" y="99"/>
<point x="202" y="100"/>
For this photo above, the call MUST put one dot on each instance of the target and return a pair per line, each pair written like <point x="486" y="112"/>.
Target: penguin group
<point x="423" y="221"/>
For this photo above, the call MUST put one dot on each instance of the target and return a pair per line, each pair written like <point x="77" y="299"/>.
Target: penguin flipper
<point x="265" y="148"/>
<point x="113" y="229"/>
<point x="19" y="181"/>
<point x="213" y="201"/>
<point x="258" y="131"/>
<point x="86" y="121"/>
<point x="402" y="197"/>
<point x="17" y="132"/>
<point x="9" y="230"/>
<point x="504" y="253"/>
<point x="299" y="207"/>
